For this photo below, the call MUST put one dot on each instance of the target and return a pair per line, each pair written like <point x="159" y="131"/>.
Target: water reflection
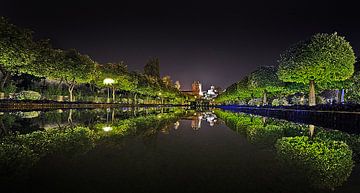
<point x="73" y="133"/>
<point x="198" y="117"/>
<point x="324" y="156"/>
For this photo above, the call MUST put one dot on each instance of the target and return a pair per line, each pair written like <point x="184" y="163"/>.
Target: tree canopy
<point x="322" y="58"/>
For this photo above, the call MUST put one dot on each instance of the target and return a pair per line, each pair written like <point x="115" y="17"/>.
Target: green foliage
<point x="265" y="79"/>
<point x="280" y="102"/>
<point x="327" y="163"/>
<point x="10" y="88"/>
<point x="16" y="47"/>
<point x="353" y="94"/>
<point x="15" y="160"/>
<point x="255" y="128"/>
<point x="322" y="58"/>
<point x="75" y="67"/>
<point x="237" y="92"/>
<point x="353" y="141"/>
<point x="115" y="71"/>
<point x="28" y="95"/>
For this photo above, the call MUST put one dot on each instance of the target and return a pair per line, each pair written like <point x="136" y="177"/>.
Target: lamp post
<point x="107" y="127"/>
<point x="160" y="98"/>
<point x="108" y="81"/>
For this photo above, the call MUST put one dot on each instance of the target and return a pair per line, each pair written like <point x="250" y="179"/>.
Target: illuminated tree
<point x="16" y="50"/>
<point x="265" y="80"/>
<point x="167" y="81"/>
<point x="177" y="85"/>
<point x="73" y="69"/>
<point x="322" y="58"/>
<point x="111" y="71"/>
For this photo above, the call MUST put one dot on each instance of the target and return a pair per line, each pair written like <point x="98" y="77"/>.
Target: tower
<point x="196" y="88"/>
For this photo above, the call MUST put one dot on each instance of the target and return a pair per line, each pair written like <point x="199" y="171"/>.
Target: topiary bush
<point x="326" y="163"/>
<point x="28" y="95"/>
<point x="280" y="102"/>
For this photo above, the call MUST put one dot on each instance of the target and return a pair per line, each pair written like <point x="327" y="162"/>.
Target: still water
<point x="172" y="150"/>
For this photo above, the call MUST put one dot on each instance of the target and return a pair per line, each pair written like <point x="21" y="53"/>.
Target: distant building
<point x="211" y="93"/>
<point x="196" y="88"/>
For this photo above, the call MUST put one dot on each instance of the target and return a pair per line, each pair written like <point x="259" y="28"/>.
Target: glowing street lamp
<point x="107" y="129"/>
<point x="160" y="98"/>
<point x="108" y="81"/>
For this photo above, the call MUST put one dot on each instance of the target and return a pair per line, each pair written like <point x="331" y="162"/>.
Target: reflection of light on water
<point x="210" y="118"/>
<point x="28" y="115"/>
<point x="107" y="128"/>
<point x="176" y="125"/>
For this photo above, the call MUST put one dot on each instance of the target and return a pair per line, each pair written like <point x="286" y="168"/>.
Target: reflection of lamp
<point x="107" y="128"/>
<point x="108" y="81"/>
<point x="176" y="125"/>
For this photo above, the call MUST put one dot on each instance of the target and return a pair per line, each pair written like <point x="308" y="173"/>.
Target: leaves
<point x="323" y="58"/>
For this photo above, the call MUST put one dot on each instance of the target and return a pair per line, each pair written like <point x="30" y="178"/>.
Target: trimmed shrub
<point x="28" y="95"/>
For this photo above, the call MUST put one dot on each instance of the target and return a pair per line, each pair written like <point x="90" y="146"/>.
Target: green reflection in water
<point x="20" y="152"/>
<point x="327" y="163"/>
<point x="325" y="158"/>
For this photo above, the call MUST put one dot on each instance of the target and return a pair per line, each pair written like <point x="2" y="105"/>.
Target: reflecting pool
<point x="172" y="150"/>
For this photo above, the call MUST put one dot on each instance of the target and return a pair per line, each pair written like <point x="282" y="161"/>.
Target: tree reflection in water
<point x="324" y="156"/>
<point x="20" y="152"/>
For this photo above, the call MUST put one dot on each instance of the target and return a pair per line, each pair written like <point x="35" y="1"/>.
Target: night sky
<point x="217" y="43"/>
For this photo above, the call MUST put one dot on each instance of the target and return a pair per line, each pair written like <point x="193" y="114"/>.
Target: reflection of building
<point x="210" y="118"/>
<point x="196" y="121"/>
<point x="206" y="116"/>
<point x="211" y="93"/>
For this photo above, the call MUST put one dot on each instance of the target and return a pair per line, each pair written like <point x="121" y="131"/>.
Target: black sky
<point x="214" y="42"/>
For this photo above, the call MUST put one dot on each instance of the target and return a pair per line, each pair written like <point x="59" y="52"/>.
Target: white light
<point x="108" y="81"/>
<point x="107" y="128"/>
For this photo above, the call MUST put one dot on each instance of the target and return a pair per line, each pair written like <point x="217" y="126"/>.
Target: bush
<point x="326" y="163"/>
<point x="280" y="102"/>
<point x="299" y="100"/>
<point x="9" y="88"/>
<point x="15" y="160"/>
<point x="353" y="141"/>
<point x="255" y="102"/>
<point x="28" y="95"/>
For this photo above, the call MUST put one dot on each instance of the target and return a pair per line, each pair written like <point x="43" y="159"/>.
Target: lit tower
<point x="196" y="88"/>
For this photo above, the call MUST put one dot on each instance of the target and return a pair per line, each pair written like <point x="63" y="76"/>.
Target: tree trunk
<point x="264" y="98"/>
<point x="60" y="84"/>
<point x="70" y="121"/>
<point x="311" y="130"/>
<point x="312" y="99"/>
<point x="113" y="94"/>
<point x="264" y="121"/>
<point x="342" y="100"/>
<point x="71" y="89"/>
<point x="134" y="102"/>
<point x="337" y="96"/>
<point x="4" y="79"/>
<point x="113" y="116"/>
